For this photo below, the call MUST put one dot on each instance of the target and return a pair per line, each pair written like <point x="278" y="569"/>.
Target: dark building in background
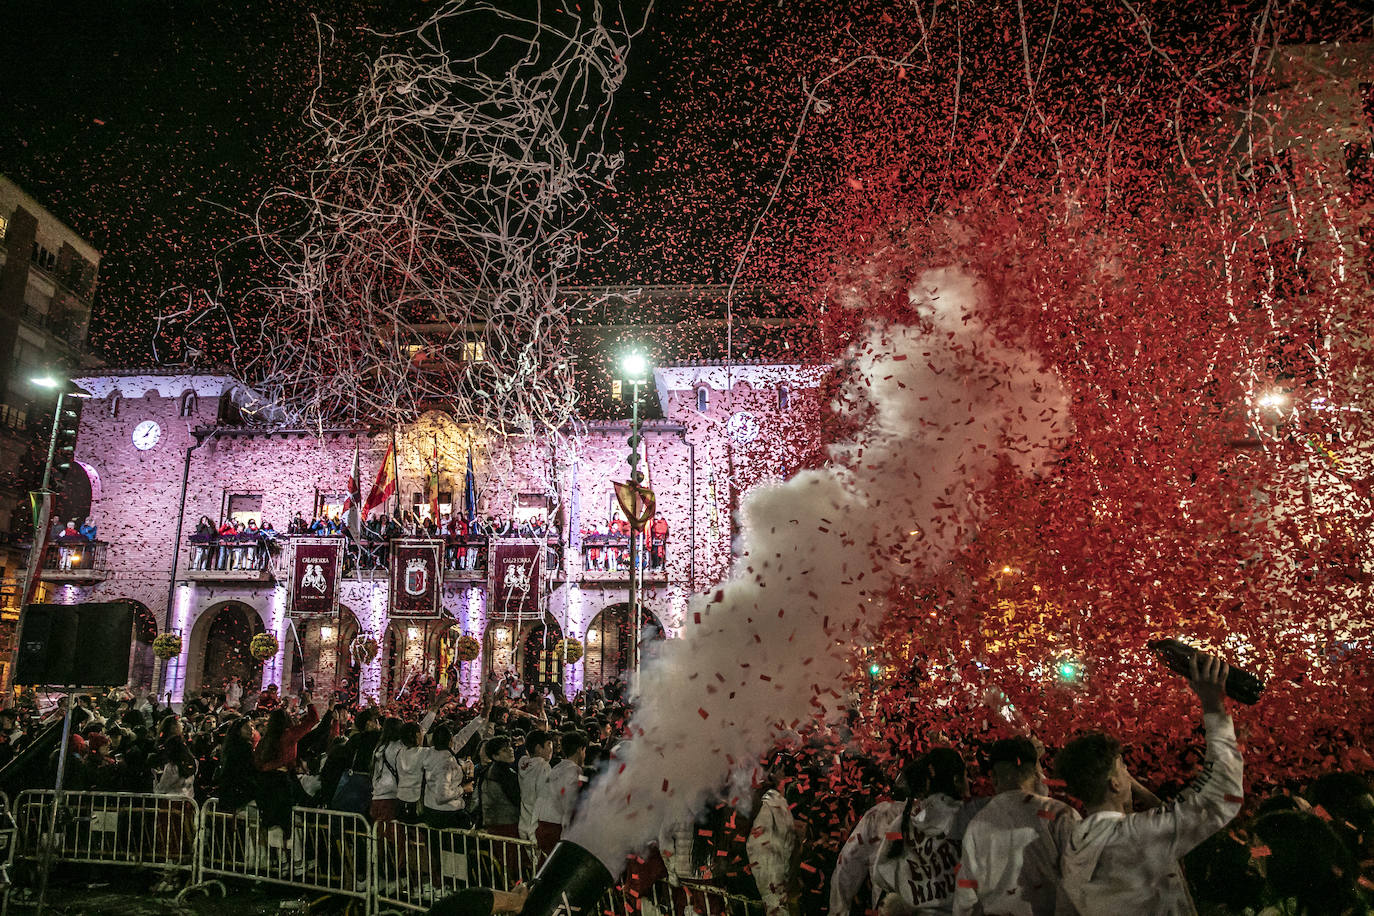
<point x="48" y="277"/>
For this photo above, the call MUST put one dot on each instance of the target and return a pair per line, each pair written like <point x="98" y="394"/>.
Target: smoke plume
<point x="938" y="404"/>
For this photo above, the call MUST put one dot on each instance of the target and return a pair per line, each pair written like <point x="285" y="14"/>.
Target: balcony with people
<point x="234" y="550"/>
<point x="606" y="554"/>
<point x="74" y="554"/>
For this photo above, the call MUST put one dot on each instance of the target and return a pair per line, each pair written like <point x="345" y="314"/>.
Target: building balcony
<point x="606" y="559"/>
<point x="229" y="560"/>
<point x="75" y="561"/>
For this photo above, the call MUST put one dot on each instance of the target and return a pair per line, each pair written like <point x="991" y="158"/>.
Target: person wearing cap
<point x="1012" y="849"/>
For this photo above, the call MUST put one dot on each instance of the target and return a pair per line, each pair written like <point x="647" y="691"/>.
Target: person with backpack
<point x="498" y="790"/>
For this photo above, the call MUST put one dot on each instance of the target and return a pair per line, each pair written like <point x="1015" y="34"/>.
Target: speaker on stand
<point x="69" y="647"/>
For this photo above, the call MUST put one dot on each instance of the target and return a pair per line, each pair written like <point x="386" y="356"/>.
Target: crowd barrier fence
<point x="386" y="867"/>
<point x="109" y="828"/>
<point x="417" y="865"/>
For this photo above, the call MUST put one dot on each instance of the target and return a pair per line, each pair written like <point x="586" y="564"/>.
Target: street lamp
<point x="64" y="431"/>
<point x="634" y="366"/>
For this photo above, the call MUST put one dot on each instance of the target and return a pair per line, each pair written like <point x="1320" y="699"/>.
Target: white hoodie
<point x="773" y="848"/>
<point x="923" y="874"/>
<point x="1011" y="857"/>
<point x="1128" y="863"/>
<point x="857" y="856"/>
<point x="556" y="805"/>
<point x="534" y="785"/>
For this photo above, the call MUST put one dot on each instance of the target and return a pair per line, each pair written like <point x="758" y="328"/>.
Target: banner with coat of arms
<point x="515" y="568"/>
<point x="417" y="576"/>
<point x="315" y="571"/>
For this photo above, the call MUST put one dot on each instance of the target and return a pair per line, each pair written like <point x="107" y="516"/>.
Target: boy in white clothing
<point x="1011" y="854"/>
<point x="534" y="779"/>
<point x="1123" y="862"/>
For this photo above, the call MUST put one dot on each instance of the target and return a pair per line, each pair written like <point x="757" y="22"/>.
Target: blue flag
<point x="470" y="489"/>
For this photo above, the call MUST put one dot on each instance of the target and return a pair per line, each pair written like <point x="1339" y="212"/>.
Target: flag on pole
<point x="470" y="489"/>
<point x="385" y="485"/>
<point x="434" y="484"/>
<point x="353" y="502"/>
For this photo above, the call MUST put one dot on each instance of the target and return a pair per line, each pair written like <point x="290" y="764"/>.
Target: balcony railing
<point x="606" y="558"/>
<point x="75" y="561"/>
<point x="230" y="558"/>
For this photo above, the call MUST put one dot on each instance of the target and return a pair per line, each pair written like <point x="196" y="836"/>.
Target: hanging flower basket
<point x="569" y="651"/>
<point x="363" y="649"/>
<point x="466" y="649"/>
<point x="263" y="646"/>
<point x="167" y="646"/>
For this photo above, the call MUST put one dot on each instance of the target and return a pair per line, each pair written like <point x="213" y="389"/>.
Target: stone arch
<point x="142" y="663"/>
<point x="326" y="644"/>
<point x="409" y="649"/>
<point x="525" y="647"/>
<point x="606" y="645"/>
<point x="219" y="647"/>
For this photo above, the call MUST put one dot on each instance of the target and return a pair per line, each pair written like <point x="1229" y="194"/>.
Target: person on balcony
<point x="226" y="535"/>
<point x="658" y="542"/>
<point x="88" y="530"/>
<point x="297" y="525"/>
<point x="204" y="543"/>
<point x="477" y="536"/>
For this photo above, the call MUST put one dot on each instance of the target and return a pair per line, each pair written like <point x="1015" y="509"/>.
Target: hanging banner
<point x="516" y="568"/>
<point x="316" y="567"/>
<point x="416" y="577"/>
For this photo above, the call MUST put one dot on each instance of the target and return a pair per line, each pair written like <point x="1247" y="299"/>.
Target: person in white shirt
<point x="534" y="778"/>
<point x="919" y="857"/>
<point x="449" y="783"/>
<point x="857" y="856"/>
<point x="554" y="809"/>
<point x="1123" y="862"/>
<point x="774" y="846"/>
<point x="1012" y="848"/>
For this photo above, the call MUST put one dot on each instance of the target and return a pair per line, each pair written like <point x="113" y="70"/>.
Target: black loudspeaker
<point x="74" y="645"/>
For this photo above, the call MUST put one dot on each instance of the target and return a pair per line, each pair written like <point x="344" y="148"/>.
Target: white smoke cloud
<point x="939" y="405"/>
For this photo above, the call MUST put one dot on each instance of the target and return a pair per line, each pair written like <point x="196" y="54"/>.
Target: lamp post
<point x="635" y="369"/>
<point x="43" y="496"/>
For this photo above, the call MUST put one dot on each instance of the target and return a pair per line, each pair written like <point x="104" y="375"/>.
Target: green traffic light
<point x="1070" y="670"/>
<point x="875" y="669"/>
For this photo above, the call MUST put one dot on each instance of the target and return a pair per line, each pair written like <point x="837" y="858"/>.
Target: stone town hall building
<point x="161" y="451"/>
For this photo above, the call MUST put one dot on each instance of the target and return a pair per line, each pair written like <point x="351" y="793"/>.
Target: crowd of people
<point x="828" y="829"/>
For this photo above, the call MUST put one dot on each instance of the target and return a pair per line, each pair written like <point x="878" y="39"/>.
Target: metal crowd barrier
<point x="109" y="828"/>
<point x="686" y="898"/>
<point x="417" y="865"/>
<point x="328" y="852"/>
<point x="386" y="867"/>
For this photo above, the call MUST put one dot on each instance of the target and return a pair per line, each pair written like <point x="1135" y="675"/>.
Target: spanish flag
<point x="385" y="485"/>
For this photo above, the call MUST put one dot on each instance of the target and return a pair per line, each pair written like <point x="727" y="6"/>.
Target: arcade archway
<point x="607" y="646"/>
<point x="328" y="668"/>
<point x="525" y="647"/>
<point x="219" y="648"/>
<point x="141" y="659"/>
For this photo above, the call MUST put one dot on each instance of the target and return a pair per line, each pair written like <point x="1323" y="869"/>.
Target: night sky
<point x="152" y="127"/>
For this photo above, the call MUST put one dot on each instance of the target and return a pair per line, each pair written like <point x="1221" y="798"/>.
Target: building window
<point x="617" y="389"/>
<point x="244" y="507"/>
<point x="13" y="417"/>
<point x="703" y="399"/>
<point x="4" y="226"/>
<point x="188" y="403"/>
<point x="784" y="397"/>
<point x="114" y="400"/>
<point x="474" y="351"/>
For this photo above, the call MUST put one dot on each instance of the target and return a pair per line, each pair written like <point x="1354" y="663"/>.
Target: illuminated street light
<point x="635" y="367"/>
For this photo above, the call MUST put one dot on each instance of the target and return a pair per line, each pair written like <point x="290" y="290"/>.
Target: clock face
<point x="146" y="435"/>
<point x="742" y="426"/>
